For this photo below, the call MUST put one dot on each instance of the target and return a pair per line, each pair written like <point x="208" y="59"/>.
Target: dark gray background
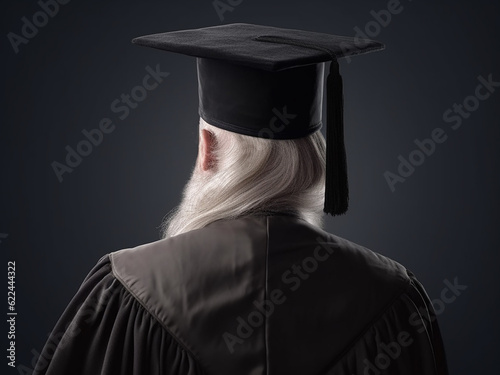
<point x="441" y="222"/>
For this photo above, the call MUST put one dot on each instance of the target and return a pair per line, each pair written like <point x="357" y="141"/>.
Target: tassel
<point x="336" y="184"/>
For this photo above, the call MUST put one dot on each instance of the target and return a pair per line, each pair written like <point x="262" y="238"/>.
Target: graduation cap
<point x="267" y="82"/>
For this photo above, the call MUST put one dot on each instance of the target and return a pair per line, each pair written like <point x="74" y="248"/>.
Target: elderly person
<point x="245" y="280"/>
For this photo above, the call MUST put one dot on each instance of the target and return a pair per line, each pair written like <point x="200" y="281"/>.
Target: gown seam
<point x="429" y="328"/>
<point x="266" y="322"/>
<point x="429" y="339"/>
<point x="170" y="333"/>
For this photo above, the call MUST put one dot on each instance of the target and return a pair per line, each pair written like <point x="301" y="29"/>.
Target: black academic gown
<point x="257" y="295"/>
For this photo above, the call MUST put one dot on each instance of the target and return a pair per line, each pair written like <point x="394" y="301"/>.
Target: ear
<point x="206" y="150"/>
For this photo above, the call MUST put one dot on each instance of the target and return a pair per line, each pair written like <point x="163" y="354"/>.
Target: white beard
<point x="235" y="189"/>
<point x="181" y="218"/>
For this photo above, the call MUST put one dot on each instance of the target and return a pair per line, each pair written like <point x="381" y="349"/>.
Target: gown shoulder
<point x="106" y="330"/>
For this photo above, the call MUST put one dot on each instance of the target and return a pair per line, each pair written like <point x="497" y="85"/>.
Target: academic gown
<point x="267" y="294"/>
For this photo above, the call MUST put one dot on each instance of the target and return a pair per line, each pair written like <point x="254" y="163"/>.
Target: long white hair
<point x="253" y="176"/>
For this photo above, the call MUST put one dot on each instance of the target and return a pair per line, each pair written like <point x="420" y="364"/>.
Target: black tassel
<point x="336" y="186"/>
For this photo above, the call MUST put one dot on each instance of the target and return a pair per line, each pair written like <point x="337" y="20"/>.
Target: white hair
<point x="253" y="176"/>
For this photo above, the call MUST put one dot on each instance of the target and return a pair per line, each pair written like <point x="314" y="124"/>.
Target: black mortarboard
<point x="267" y="82"/>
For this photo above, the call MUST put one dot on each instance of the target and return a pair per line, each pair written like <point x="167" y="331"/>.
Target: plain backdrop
<point x="441" y="222"/>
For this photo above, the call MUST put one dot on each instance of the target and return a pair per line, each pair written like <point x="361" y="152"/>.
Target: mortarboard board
<point x="267" y="82"/>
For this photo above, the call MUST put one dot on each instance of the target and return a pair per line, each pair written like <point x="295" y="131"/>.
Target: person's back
<point x="245" y="280"/>
<point x="256" y="295"/>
